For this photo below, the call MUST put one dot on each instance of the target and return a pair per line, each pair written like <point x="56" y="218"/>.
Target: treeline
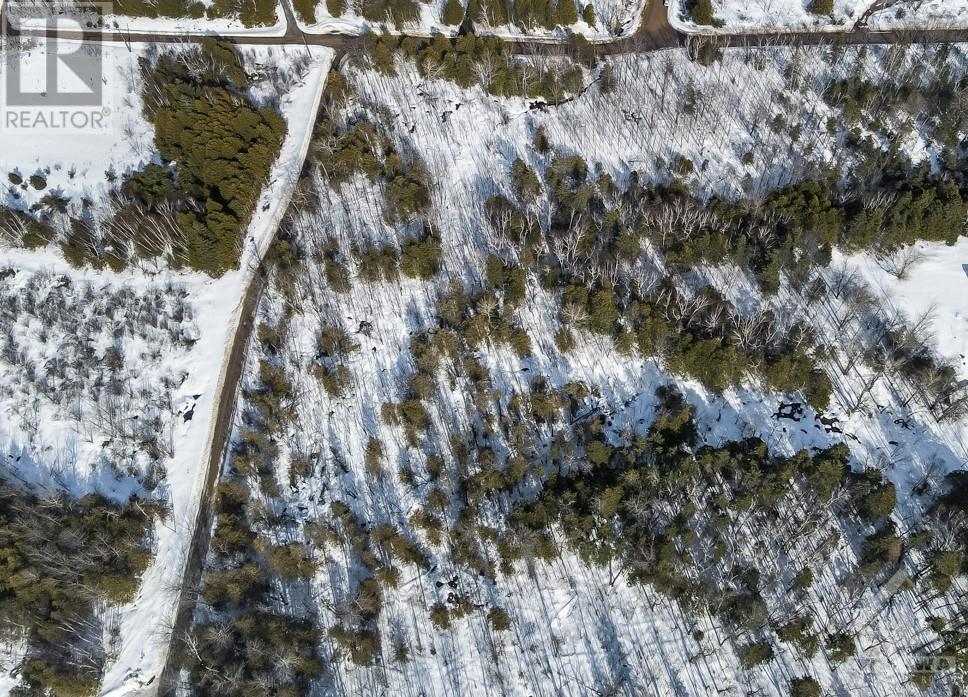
<point x="469" y="60"/>
<point x="251" y="14"/>
<point x="526" y="14"/>
<point x="587" y="253"/>
<point x="596" y="235"/>
<point x="611" y="510"/>
<point x="62" y="560"/>
<point x="929" y="90"/>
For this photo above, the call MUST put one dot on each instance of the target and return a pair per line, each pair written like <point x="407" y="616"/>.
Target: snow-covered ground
<point x="77" y="164"/>
<point x="115" y="23"/>
<point x="733" y="119"/>
<point x="935" y="284"/>
<point x="768" y="16"/>
<point x="139" y="649"/>
<point x="613" y="18"/>
<point x="921" y="14"/>
<point x="578" y="630"/>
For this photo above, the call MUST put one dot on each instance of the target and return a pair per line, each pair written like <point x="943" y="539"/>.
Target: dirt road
<point x="654" y="32"/>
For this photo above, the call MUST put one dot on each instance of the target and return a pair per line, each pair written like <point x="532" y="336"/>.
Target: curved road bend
<point x="654" y="33"/>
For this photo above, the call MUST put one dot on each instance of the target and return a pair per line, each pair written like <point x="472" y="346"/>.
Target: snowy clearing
<point x="78" y="167"/>
<point x="768" y="16"/>
<point x="921" y="14"/>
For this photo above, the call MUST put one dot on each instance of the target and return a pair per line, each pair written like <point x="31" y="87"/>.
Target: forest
<point x="536" y="473"/>
<point x="63" y="560"/>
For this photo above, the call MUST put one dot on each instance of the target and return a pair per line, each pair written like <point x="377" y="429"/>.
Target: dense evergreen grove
<point x="221" y="145"/>
<point x="63" y="559"/>
<point x="542" y="469"/>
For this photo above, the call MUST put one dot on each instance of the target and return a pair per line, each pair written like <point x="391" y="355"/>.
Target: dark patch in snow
<point x="789" y="410"/>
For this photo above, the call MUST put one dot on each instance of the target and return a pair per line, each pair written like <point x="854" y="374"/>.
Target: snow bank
<point x="176" y="26"/>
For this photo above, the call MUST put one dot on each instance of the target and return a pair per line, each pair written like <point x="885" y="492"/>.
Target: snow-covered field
<point x="75" y="164"/>
<point x="181" y="378"/>
<point x="769" y="16"/>
<point x="577" y="630"/>
<point x="921" y="14"/>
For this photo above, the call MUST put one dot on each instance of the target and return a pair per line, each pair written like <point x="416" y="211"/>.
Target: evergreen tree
<point x="567" y="13"/>
<point x="804" y="687"/>
<point x="702" y="12"/>
<point x="453" y="13"/>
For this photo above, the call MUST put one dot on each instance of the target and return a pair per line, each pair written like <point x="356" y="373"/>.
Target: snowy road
<point x="653" y="32"/>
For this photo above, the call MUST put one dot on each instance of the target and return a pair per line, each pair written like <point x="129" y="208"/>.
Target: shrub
<point x="822" y="7"/>
<point x="752" y="655"/>
<point x="803" y="580"/>
<point x="421" y="257"/>
<point x="440" y="616"/>
<point x="702" y="12"/>
<point x="499" y="619"/>
<point x="840" y="647"/>
<point x="524" y="181"/>
<point x="804" y="687"/>
<point x="291" y="561"/>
